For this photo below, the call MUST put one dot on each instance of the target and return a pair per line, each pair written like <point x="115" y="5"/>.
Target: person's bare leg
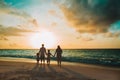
<point x="37" y="62"/>
<point x="49" y="62"/>
<point x="41" y="61"/>
<point x="60" y="62"/>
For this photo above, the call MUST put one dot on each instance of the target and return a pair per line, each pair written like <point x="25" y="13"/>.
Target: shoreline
<point x="54" y="62"/>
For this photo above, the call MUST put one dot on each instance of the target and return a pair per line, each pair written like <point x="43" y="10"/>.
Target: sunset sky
<point x="26" y="24"/>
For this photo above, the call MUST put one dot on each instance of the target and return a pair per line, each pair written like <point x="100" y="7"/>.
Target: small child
<point x="48" y="57"/>
<point x="37" y="58"/>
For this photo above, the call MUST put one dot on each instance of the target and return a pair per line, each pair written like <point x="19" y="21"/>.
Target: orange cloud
<point x="34" y="22"/>
<point x="12" y="31"/>
<point x="115" y="35"/>
<point x="54" y="24"/>
<point x="52" y="12"/>
<point x="3" y="38"/>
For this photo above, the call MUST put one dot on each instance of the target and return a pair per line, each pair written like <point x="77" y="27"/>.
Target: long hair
<point x="58" y="50"/>
<point x="58" y="47"/>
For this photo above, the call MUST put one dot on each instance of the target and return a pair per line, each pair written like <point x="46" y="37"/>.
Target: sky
<point x="72" y="24"/>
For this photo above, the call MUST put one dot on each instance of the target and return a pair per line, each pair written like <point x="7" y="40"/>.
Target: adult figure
<point x="42" y="52"/>
<point x="59" y="55"/>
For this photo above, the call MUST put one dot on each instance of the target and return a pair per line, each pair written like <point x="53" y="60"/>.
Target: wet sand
<point x="27" y="69"/>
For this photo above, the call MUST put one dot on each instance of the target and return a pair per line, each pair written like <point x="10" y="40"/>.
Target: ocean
<point x="107" y="57"/>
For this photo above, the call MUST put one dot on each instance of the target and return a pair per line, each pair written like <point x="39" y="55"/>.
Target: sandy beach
<point x="27" y="69"/>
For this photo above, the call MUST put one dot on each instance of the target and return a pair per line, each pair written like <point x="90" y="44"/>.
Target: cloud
<point x="91" y="16"/>
<point x="3" y="38"/>
<point x="52" y="12"/>
<point x="13" y="17"/>
<point x="109" y="34"/>
<point x="55" y="13"/>
<point x="15" y="22"/>
<point x="2" y="4"/>
<point x="12" y="31"/>
<point x="54" y="24"/>
<point x="34" y="22"/>
<point x="86" y="37"/>
<point x="13" y="44"/>
<point x="6" y="8"/>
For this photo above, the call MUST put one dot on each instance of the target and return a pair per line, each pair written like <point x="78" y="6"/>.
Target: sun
<point x="44" y="37"/>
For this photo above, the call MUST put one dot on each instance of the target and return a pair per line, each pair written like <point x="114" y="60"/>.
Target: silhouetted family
<point x="40" y="56"/>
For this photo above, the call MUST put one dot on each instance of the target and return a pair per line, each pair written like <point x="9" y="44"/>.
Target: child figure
<point x="48" y="57"/>
<point x="37" y="58"/>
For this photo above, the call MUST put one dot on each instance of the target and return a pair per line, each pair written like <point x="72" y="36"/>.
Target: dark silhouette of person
<point x="59" y="55"/>
<point x="42" y="53"/>
<point x="37" y="58"/>
<point x="48" y="57"/>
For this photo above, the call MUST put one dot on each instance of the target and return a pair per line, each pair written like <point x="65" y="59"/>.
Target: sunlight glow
<point x="44" y="37"/>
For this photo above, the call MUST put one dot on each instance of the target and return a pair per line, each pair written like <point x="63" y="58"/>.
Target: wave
<point x="98" y="57"/>
<point x="106" y="62"/>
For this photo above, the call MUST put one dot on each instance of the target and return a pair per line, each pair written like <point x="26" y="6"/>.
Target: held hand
<point x="52" y="55"/>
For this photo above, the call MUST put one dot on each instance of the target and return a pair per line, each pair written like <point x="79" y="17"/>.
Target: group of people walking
<point x="40" y="56"/>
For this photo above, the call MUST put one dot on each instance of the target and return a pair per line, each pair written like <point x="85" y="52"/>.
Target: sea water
<point x="109" y="57"/>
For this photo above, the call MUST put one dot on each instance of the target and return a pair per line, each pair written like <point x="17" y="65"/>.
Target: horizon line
<point x="54" y="48"/>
